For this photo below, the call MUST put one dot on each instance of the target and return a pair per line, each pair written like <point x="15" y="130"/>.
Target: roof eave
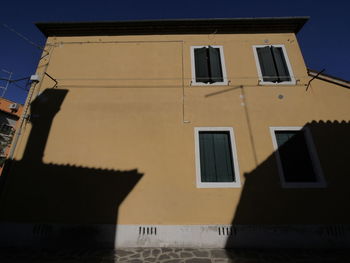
<point x="179" y="26"/>
<point x="328" y="78"/>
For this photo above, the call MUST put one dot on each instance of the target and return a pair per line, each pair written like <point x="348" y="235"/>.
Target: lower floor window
<point x="216" y="157"/>
<point x="296" y="157"/>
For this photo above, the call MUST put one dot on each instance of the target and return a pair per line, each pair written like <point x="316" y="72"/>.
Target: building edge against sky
<point x="128" y="121"/>
<point x="10" y="113"/>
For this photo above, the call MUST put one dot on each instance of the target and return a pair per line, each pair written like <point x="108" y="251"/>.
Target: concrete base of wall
<point x="200" y="236"/>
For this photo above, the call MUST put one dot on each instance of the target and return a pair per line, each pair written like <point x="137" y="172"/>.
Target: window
<point x="2" y="161"/>
<point x="6" y="129"/>
<point x="216" y="158"/>
<point x="208" y="65"/>
<point x="296" y="156"/>
<point x="273" y="65"/>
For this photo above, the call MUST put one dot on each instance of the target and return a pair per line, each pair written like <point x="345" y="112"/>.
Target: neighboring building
<point x="10" y="113"/>
<point x="205" y="133"/>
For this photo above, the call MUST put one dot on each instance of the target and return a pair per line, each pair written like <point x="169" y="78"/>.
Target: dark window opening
<point x="208" y="68"/>
<point x="273" y="64"/>
<point x="216" y="159"/>
<point x="6" y="129"/>
<point x="295" y="157"/>
<point x="2" y="161"/>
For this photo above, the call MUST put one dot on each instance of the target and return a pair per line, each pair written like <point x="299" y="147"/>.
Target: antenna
<point x="4" y="89"/>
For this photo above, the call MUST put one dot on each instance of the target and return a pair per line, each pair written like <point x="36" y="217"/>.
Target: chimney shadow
<point x="61" y="205"/>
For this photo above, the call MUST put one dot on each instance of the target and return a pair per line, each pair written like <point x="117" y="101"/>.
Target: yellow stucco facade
<point x="130" y="105"/>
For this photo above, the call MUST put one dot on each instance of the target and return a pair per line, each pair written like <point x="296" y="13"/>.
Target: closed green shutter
<point x="215" y="65"/>
<point x="295" y="157"/>
<point x="216" y="160"/>
<point x="208" y="66"/>
<point x="201" y="65"/>
<point x="267" y="65"/>
<point x="281" y="65"/>
<point x="207" y="157"/>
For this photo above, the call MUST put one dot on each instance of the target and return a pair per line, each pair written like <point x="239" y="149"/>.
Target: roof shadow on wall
<point x="265" y="204"/>
<point x="67" y="205"/>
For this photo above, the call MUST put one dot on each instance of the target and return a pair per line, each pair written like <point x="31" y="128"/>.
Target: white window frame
<point x="320" y="183"/>
<point x="223" y="67"/>
<point x="201" y="184"/>
<point x="261" y="79"/>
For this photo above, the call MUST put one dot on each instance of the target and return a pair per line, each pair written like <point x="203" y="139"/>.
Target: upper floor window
<point x="208" y="65"/>
<point x="273" y="65"/>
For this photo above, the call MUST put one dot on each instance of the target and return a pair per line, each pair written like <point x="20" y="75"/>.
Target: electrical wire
<point x="15" y="80"/>
<point x="23" y="88"/>
<point x="24" y="38"/>
<point x="147" y="79"/>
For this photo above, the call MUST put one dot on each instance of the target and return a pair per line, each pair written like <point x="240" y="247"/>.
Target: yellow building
<point x="203" y="133"/>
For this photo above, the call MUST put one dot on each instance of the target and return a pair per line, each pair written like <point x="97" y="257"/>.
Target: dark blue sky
<point x="324" y="40"/>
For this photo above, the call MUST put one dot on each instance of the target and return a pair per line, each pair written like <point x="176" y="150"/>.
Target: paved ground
<point x="173" y="255"/>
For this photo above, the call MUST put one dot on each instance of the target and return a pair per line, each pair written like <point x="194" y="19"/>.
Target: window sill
<point x="284" y="83"/>
<point x="193" y="83"/>
<point x="218" y="185"/>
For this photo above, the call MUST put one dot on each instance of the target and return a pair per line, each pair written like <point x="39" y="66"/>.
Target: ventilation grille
<point x="336" y="231"/>
<point x="42" y="230"/>
<point x="147" y="230"/>
<point x="226" y="231"/>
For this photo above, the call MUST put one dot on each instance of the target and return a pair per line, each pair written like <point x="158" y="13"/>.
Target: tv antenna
<point x="4" y="88"/>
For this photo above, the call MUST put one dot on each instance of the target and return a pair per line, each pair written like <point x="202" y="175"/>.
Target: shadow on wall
<point x="64" y="205"/>
<point x="265" y="203"/>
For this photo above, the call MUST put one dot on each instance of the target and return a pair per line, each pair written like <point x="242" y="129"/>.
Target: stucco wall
<point x="130" y="105"/>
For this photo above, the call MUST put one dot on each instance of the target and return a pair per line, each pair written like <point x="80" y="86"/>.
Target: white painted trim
<point x="321" y="183"/>
<point x="193" y="68"/>
<point x="261" y="80"/>
<point x="201" y="184"/>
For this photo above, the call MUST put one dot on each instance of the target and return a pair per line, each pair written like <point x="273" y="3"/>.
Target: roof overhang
<point x="177" y="26"/>
<point x="328" y="78"/>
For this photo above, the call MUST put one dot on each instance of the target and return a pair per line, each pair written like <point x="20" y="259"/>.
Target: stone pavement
<point x="173" y="255"/>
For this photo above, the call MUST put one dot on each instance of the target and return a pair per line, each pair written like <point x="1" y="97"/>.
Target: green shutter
<point x="207" y="157"/>
<point x="267" y="64"/>
<point x="216" y="160"/>
<point x="224" y="164"/>
<point x="215" y="65"/>
<point x="295" y="157"/>
<point x="201" y="65"/>
<point x="281" y="65"/>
